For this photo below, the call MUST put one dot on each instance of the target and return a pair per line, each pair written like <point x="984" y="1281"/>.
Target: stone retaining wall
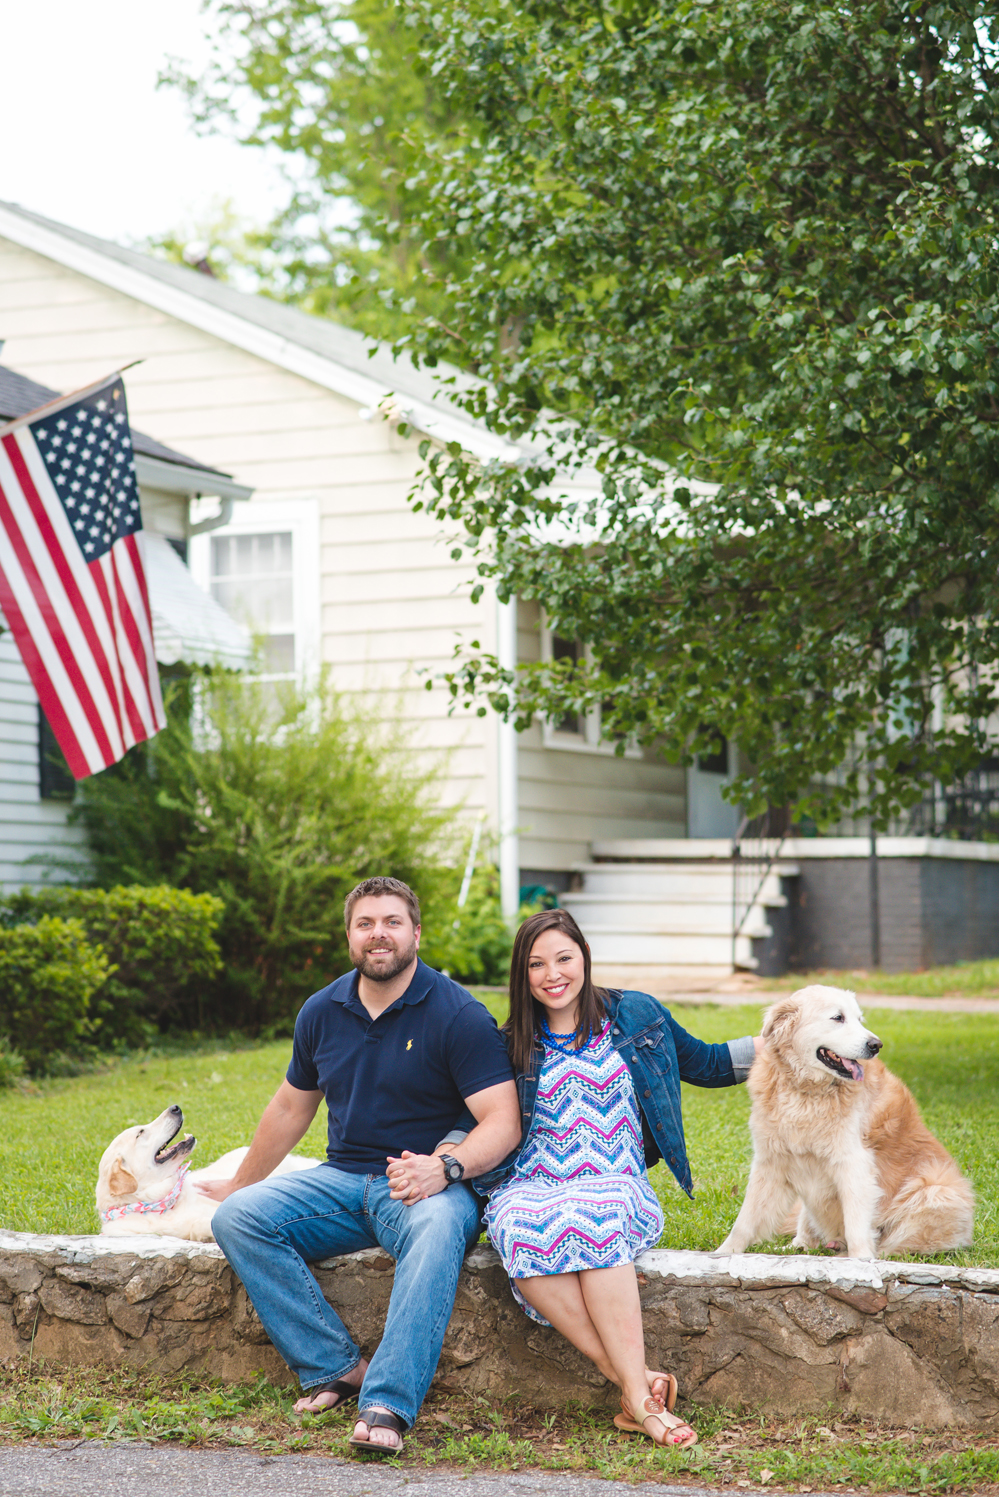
<point x="911" y="1343"/>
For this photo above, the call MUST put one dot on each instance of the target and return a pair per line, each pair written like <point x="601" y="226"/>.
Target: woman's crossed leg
<point x="599" y="1311"/>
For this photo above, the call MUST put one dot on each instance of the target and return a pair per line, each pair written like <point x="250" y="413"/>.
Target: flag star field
<point x="87" y="452"/>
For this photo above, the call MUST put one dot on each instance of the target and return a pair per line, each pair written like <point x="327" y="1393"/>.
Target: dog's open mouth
<point x="841" y="1065"/>
<point x="166" y="1154"/>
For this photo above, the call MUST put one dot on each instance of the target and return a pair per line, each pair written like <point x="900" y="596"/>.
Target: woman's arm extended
<point x="702" y="1064"/>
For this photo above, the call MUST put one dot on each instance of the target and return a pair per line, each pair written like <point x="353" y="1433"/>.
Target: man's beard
<point x="387" y="971"/>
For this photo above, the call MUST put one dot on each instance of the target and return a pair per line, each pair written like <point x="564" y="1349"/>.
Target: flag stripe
<point x="48" y="623"/>
<point x="132" y="728"/>
<point x="63" y="590"/>
<point x="133" y="656"/>
<point x="131" y="567"/>
<point x="48" y="695"/>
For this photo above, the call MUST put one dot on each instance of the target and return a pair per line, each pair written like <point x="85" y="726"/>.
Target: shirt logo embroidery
<point x="410" y="1045"/>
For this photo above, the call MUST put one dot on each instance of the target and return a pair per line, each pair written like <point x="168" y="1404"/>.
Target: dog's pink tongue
<point x="855" y="1070"/>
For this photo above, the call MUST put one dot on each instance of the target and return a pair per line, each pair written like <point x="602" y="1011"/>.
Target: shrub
<point x="48" y="974"/>
<point x="161" y="945"/>
<point x="474" y="943"/>
<point x="12" y="1066"/>
<point x="277" y="806"/>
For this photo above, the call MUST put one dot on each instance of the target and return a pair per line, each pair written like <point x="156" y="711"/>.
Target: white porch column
<point x="509" y="847"/>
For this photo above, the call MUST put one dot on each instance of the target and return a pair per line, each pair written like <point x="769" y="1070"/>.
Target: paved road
<point x="89" y="1469"/>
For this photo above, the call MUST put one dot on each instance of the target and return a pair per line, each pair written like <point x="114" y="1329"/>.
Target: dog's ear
<point x="778" y="1021"/>
<point x="121" y="1182"/>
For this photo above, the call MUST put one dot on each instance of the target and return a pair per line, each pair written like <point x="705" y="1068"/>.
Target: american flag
<point x="72" y="581"/>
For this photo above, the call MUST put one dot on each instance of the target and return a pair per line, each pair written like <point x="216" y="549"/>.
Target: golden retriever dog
<point x="836" y="1132"/>
<point x="144" y="1183"/>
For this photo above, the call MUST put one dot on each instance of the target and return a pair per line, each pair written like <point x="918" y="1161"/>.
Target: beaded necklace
<point x="563" y="1044"/>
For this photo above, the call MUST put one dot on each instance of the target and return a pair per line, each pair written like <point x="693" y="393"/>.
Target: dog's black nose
<point x="175" y="1108"/>
<point x="874" y="1045"/>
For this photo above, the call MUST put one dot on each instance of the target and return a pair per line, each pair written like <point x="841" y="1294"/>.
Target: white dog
<point x="838" y="1133"/>
<point x="144" y="1183"/>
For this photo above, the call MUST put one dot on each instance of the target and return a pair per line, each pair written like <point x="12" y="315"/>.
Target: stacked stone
<point x="902" y="1342"/>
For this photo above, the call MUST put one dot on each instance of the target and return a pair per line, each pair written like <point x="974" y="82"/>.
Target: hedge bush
<point x="160" y="943"/>
<point x="49" y="973"/>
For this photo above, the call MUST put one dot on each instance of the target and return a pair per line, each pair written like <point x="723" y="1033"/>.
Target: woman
<point x="572" y="1208"/>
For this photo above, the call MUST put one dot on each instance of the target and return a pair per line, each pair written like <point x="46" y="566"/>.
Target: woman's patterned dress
<point x="579" y="1196"/>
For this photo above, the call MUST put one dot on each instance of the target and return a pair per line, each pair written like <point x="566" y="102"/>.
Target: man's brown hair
<point x="378" y="887"/>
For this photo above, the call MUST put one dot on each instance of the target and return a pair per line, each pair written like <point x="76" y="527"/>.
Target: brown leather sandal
<point x="380" y="1419"/>
<point x="345" y="1393"/>
<point x="652" y="1409"/>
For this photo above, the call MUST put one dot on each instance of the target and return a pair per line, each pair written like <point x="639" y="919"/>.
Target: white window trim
<point x="590" y="740"/>
<point x="257" y="517"/>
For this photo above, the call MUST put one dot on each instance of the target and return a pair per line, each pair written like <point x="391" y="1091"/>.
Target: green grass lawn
<point x="52" y="1135"/>
<point x="962" y="980"/>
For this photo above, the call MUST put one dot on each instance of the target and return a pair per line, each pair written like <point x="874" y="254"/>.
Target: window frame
<point x="589" y="740"/>
<point x="300" y="517"/>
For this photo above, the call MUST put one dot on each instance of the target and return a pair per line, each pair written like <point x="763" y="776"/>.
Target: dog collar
<point x="143" y="1208"/>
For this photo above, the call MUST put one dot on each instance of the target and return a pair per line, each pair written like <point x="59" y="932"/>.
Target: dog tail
<point x="934" y="1213"/>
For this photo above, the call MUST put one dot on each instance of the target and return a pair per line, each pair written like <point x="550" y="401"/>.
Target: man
<point x="399" y="1051"/>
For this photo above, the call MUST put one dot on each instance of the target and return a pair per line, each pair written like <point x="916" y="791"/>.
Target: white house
<point x="327" y="558"/>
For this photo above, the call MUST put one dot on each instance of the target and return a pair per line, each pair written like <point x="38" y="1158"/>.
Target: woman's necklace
<point x="563" y="1043"/>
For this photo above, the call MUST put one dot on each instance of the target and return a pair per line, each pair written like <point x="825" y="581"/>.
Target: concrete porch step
<point x="597" y="913"/>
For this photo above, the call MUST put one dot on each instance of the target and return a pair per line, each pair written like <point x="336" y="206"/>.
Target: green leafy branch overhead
<point x="734" y="268"/>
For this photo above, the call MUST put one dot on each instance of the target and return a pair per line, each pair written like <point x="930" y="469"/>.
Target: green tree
<point x="332" y="85"/>
<point x="749" y="253"/>
<point x="279" y="810"/>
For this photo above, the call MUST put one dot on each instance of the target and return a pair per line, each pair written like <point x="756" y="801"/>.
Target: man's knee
<point x="233" y="1218"/>
<point x="451" y="1217"/>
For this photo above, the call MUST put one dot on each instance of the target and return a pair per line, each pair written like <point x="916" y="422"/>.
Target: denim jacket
<point x="659" y="1054"/>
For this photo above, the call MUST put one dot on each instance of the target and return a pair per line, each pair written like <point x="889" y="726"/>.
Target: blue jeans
<point x="270" y="1231"/>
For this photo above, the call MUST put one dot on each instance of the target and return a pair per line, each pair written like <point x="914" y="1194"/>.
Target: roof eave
<point x="173" y="478"/>
<point x="433" y="421"/>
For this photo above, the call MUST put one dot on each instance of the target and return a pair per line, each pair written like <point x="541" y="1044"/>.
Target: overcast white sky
<point x="88" y="139"/>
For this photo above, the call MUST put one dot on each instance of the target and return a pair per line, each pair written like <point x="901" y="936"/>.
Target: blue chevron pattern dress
<point x="579" y="1196"/>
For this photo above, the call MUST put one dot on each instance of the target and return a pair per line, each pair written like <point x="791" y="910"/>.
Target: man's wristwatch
<point x="453" y="1169"/>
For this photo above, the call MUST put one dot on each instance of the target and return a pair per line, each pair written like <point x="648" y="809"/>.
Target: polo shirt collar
<point x="345" y="989"/>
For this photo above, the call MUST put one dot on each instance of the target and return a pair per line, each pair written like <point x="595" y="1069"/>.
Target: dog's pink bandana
<point x="142" y="1208"/>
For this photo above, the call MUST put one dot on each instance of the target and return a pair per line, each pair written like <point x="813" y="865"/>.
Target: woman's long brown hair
<point x="526" y="1014"/>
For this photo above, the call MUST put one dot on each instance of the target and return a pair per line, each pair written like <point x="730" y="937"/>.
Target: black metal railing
<point x="967" y="811"/>
<point x="756" y="848"/>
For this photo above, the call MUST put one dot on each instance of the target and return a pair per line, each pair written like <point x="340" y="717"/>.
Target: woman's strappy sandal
<point x="651" y="1409"/>
<point x="380" y="1419"/>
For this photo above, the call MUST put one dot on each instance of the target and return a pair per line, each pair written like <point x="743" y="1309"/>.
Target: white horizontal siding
<point x="567" y="799"/>
<point x="29" y="826"/>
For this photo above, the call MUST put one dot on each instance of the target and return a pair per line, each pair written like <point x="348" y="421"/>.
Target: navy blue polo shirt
<point x="399" y="1081"/>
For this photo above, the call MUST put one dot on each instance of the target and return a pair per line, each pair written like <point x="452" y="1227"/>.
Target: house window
<point x="252" y="577"/>
<point x="568" y="649"/>
<point x="263" y="569"/>
<point x="54" y="779"/>
<point x="576" y="731"/>
<point x="715" y="760"/>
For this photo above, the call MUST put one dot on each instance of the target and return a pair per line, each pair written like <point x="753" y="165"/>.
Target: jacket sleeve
<point x="702" y="1064"/>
